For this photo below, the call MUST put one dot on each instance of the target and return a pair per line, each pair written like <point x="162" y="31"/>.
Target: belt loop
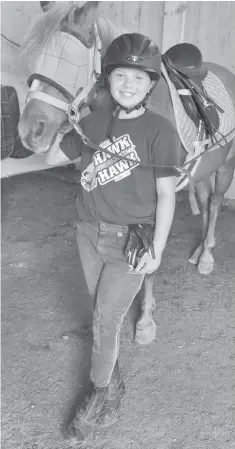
<point x="113" y="228"/>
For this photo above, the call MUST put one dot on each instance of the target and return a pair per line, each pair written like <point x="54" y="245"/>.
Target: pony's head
<point x="64" y="48"/>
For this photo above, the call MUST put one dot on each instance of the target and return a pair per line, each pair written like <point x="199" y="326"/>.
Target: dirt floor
<point x="180" y="388"/>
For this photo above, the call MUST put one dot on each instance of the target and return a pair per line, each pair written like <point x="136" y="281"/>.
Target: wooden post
<point x="174" y="24"/>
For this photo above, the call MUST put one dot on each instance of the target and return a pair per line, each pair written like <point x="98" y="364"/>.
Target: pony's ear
<point x="86" y="16"/>
<point x="46" y="5"/>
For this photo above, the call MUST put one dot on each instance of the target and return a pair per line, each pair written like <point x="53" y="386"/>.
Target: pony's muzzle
<point x="33" y="137"/>
<point x="38" y="130"/>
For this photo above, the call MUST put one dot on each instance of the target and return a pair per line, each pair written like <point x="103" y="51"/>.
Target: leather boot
<point x="116" y="391"/>
<point x="86" y="416"/>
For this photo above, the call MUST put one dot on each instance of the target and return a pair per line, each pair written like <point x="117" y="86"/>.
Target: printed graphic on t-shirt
<point x="105" y="168"/>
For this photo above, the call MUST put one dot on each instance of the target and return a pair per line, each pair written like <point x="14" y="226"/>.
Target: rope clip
<point x="73" y="114"/>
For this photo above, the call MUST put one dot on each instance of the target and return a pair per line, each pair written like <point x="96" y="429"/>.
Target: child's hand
<point x="147" y="264"/>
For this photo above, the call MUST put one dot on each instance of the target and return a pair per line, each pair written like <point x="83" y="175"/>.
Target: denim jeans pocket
<point x="121" y="242"/>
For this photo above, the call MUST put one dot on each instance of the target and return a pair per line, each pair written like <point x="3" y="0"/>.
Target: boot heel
<point x="86" y="416"/>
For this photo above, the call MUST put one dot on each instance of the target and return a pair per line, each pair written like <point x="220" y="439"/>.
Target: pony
<point x="57" y="82"/>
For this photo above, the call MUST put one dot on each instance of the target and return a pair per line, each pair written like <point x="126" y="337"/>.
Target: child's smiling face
<point x="129" y="86"/>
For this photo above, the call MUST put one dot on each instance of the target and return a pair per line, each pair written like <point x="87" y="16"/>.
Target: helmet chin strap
<point x="140" y="104"/>
<point x="128" y="110"/>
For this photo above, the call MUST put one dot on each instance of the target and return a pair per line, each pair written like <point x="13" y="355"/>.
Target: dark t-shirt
<point x="118" y="191"/>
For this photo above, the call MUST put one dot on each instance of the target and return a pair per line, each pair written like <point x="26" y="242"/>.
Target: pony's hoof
<point x="194" y="259"/>
<point x="205" y="267"/>
<point x="145" y="335"/>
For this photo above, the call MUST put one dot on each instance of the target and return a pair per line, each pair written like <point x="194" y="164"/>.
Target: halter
<point x="74" y="105"/>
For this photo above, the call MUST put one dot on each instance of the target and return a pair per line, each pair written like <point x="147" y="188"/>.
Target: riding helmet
<point x="133" y="50"/>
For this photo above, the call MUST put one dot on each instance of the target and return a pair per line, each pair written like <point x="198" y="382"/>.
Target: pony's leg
<point x="204" y="191"/>
<point x="146" y="328"/>
<point x="223" y="180"/>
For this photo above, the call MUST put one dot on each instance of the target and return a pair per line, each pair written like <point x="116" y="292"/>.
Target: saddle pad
<point x="186" y="128"/>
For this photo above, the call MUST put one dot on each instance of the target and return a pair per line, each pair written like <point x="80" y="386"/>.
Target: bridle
<point x="74" y="105"/>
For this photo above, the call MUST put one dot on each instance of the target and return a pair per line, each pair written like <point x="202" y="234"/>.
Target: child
<point x="116" y="193"/>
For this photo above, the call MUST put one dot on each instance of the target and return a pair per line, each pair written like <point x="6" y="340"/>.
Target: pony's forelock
<point x="46" y="27"/>
<point x="51" y="23"/>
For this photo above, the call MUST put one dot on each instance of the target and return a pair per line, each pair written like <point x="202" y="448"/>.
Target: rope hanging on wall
<point x="9" y="40"/>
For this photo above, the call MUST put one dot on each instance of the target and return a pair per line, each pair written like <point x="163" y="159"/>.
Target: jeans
<point x="112" y="286"/>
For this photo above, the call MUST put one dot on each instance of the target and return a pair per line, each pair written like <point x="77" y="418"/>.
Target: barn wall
<point x="209" y="25"/>
<point x="16" y="19"/>
<point x="144" y="17"/>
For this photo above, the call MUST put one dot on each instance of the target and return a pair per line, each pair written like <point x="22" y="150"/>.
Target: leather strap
<point x="49" y="99"/>
<point x="180" y="170"/>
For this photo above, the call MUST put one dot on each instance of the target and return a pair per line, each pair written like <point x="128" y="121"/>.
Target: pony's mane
<point x="108" y="31"/>
<point x="51" y="22"/>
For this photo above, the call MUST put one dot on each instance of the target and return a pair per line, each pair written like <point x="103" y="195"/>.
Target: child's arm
<point x="164" y="212"/>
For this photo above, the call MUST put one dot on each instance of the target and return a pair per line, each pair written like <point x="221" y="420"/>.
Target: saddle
<point x="187" y="59"/>
<point x="186" y="70"/>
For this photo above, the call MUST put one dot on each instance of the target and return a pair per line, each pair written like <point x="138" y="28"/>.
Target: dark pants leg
<point x="113" y="288"/>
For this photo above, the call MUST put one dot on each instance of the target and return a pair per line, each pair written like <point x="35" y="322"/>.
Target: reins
<point x="181" y="169"/>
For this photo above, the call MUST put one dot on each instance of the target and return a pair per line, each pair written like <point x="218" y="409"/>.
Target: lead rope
<point x="192" y="192"/>
<point x="202" y="134"/>
<point x="115" y="118"/>
<point x="181" y="169"/>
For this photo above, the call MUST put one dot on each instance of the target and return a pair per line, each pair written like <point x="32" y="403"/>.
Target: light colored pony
<point x="42" y="124"/>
